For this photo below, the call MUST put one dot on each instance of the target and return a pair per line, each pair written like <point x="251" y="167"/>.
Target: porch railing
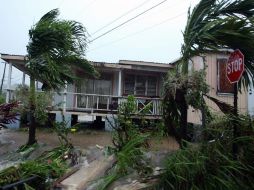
<point x="104" y="103"/>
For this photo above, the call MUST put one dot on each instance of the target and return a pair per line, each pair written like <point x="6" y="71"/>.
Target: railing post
<point x="76" y="101"/>
<point x="97" y="102"/>
<point x="120" y="83"/>
<point x="87" y="101"/>
<point x="65" y="97"/>
<point x="8" y="94"/>
<point x="108" y="103"/>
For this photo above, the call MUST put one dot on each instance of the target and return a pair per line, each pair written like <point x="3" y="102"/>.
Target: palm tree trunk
<point x="183" y="107"/>
<point x="32" y="126"/>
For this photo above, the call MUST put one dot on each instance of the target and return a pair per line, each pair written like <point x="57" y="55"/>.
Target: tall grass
<point x="211" y="165"/>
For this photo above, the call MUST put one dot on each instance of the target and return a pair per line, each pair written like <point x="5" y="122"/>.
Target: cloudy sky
<point x="155" y="35"/>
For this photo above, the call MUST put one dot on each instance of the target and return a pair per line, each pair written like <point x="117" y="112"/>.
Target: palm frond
<point x="224" y="107"/>
<point x="50" y="16"/>
<point x="55" y="49"/>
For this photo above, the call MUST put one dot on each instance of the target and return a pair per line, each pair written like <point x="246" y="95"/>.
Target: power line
<point x="135" y="33"/>
<point x="118" y="26"/>
<point x="86" y="7"/>
<point x="123" y="15"/>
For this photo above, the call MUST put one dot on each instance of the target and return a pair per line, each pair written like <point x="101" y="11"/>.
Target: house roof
<point x="18" y="61"/>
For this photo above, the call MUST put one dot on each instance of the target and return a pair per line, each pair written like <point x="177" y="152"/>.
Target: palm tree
<point x="213" y="25"/>
<point x="56" y="47"/>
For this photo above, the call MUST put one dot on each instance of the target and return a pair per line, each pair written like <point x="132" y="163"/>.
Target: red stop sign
<point x="235" y="66"/>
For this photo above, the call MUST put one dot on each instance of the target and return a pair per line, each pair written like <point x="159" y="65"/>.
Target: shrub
<point x="7" y="113"/>
<point x="212" y="165"/>
<point x="43" y="100"/>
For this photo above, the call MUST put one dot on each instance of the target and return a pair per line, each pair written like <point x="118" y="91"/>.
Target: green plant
<point x="129" y="159"/>
<point x="50" y="165"/>
<point x="62" y="132"/>
<point x="129" y="142"/>
<point x="212" y="165"/>
<point x="43" y="100"/>
<point x="2" y="98"/>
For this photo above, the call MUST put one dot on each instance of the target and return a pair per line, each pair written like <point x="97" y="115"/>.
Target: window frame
<point x="218" y="91"/>
<point x="146" y="84"/>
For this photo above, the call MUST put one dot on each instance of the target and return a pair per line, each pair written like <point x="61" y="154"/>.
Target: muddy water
<point x="10" y="140"/>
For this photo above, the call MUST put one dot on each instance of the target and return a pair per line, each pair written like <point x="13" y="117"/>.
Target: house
<point x="99" y="97"/>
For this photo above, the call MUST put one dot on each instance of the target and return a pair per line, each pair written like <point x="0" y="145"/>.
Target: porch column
<point x="8" y="94"/>
<point x="23" y="79"/>
<point x="64" y="98"/>
<point x="120" y="83"/>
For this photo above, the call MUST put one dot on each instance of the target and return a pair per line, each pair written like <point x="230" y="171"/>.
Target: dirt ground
<point x="10" y="140"/>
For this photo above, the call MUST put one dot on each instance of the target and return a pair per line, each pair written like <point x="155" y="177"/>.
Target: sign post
<point x="235" y="69"/>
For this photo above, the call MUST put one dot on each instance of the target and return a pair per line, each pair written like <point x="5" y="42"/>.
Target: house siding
<point x="212" y="80"/>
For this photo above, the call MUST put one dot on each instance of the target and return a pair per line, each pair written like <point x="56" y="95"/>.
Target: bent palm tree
<point x="213" y="25"/>
<point x="55" y="48"/>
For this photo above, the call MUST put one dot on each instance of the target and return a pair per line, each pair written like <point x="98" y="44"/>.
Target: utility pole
<point x="1" y="88"/>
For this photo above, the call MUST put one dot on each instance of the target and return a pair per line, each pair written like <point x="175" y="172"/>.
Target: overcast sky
<point x="153" y="36"/>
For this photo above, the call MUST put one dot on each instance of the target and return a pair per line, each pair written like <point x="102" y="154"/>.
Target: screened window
<point x="102" y="86"/>
<point x="129" y="84"/>
<point x="223" y="84"/>
<point x="140" y="85"/>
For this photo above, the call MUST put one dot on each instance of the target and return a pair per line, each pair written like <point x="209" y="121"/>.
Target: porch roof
<point x="17" y="61"/>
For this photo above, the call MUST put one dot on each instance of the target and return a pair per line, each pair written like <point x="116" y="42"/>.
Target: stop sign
<point x="235" y="66"/>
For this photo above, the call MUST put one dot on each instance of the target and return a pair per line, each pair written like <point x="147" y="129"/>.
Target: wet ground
<point x="10" y="140"/>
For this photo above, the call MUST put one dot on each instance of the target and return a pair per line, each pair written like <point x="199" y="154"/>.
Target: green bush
<point x="43" y="100"/>
<point x="212" y="165"/>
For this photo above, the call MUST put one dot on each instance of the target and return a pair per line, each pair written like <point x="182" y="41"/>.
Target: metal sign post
<point x="235" y="69"/>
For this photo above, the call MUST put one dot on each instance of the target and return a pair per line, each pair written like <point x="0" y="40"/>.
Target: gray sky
<point x="154" y="36"/>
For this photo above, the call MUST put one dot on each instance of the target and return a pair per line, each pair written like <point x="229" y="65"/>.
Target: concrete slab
<point x="88" y="174"/>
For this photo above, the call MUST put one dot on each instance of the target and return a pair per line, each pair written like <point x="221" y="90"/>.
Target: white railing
<point x="105" y="103"/>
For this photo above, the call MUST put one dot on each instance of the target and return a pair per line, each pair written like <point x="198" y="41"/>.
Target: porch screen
<point x="140" y="85"/>
<point x="223" y="84"/>
<point x="92" y="92"/>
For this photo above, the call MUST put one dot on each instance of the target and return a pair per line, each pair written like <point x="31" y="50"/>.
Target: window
<point x="140" y="85"/>
<point x="129" y="84"/>
<point x="223" y="84"/>
<point x="151" y="86"/>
